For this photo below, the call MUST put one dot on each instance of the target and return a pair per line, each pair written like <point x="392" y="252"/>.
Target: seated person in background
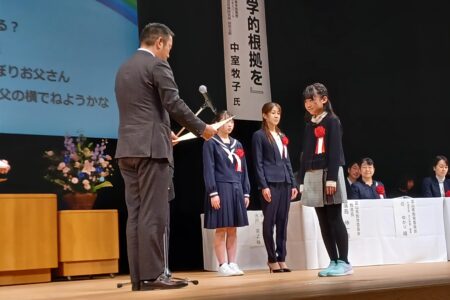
<point x="404" y="188"/>
<point x="437" y="185"/>
<point x="4" y="169"/>
<point x="353" y="175"/>
<point x="367" y="188"/>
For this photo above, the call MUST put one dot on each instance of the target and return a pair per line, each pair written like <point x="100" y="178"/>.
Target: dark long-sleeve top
<point x="332" y="158"/>
<point x="217" y="167"/>
<point x="360" y="190"/>
<point x="430" y="187"/>
<point x="269" y="164"/>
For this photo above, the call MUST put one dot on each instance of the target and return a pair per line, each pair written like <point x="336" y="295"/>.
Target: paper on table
<point x="190" y="135"/>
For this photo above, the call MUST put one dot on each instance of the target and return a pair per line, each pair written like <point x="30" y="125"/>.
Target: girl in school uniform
<point x="367" y="187"/>
<point x="437" y="185"/>
<point x="276" y="183"/>
<point x="227" y="193"/>
<point x="322" y="182"/>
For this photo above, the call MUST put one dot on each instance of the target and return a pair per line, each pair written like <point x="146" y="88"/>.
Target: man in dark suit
<point x="147" y="95"/>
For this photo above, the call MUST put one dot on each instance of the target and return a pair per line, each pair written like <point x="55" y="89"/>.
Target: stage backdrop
<point x="58" y="60"/>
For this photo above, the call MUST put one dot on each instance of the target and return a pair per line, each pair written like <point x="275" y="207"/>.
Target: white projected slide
<point x="58" y="61"/>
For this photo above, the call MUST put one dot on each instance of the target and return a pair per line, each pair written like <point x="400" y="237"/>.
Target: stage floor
<point x="411" y="281"/>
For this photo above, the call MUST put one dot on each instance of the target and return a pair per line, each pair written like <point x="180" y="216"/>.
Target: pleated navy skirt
<point x="232" y="211"/>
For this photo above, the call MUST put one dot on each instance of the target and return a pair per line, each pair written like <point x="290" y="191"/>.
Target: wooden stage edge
<point x="409" y="281"/>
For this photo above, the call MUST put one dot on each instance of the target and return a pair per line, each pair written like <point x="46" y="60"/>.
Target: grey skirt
<point x="314" y="194"/>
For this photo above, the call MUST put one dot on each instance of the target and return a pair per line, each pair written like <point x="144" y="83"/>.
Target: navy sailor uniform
<point x="225" y="174"/>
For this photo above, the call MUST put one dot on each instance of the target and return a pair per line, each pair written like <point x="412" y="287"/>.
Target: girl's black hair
<point x="366" y="160"/>
<point x="222" y="115"/>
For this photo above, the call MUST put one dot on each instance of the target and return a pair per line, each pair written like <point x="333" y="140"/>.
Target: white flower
<point x="104" y="164"/>
<point x="74" y="180"/>
<point x="66" y="170"/>
<point x="50" y="153"/>
<point x="85" y="182"/>
<point x="87" y="187"/>
<point x="77" y="165"/>
<point x="108" y="157"/>
<point x="61" y="166"/>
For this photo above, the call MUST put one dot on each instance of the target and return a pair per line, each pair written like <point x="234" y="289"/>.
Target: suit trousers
<point x="276" y="214"/>
<point x="147" y="184"/>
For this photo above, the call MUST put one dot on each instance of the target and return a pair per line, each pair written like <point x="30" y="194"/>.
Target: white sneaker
<point x="235" y="268"/>
<point x="225" y="270"/>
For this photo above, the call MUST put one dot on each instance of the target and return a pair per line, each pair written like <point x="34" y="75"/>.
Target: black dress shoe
<point x="286" y="270"/>
<point x="136" y="286"/>
<point x="162" y="283"/>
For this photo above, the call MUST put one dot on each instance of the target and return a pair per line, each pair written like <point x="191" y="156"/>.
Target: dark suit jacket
<point x="147" y="94"/>
<point x="269" y="165"/>
<point x="430" y="187"/>
<point x="360" y="190"/>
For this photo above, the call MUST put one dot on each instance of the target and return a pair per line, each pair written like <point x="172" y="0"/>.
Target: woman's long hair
<point x="317" y="89"/>
<point x="266" y="109"/>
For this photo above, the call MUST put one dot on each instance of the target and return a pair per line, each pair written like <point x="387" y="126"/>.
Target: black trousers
<point x="147" y="184"/>
<point x="334" y="232"/>
<point x="276" y="214"/>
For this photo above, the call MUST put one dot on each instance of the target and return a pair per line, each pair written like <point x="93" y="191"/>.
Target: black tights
<point x="333" y="230"/>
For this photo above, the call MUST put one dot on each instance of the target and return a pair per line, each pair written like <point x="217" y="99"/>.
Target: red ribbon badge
<point x="319" y="132"/>
<point x="240" y="152"/>
<point x="380" y="190"/>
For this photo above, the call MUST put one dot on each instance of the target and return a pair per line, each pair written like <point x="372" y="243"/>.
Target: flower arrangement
<point x="81" y="167"/>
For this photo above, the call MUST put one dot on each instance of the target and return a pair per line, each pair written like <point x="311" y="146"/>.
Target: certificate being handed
<point x="190" y="135"/>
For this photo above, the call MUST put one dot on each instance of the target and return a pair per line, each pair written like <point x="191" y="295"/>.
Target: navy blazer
<point x="430" y="187"/>
<point x="360" y="190"/>
<point x="217" y="167"/>
<point x="268" y="163"/>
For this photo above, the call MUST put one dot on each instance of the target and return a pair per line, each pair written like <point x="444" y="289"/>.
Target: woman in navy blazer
<point x="275" y="181"/>
<point x="367" y="187"/>
<point x="438" y="185"/>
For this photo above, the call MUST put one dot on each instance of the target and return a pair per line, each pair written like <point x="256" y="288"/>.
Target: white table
<point x="378" y="241"/>
<point x="447" y="224"/>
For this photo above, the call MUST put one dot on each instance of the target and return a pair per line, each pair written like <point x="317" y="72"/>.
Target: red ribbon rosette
<point x="447" y="194"/>
<point x="285" y="140"/>
<point x="380" y="190"/>
<point x="240" y="152"/>
<point x="319" y="132"/>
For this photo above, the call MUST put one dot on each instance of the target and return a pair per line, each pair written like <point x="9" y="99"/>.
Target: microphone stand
<point x="205" y="105"/>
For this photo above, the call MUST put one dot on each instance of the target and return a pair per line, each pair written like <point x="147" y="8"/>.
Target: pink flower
<point x="61" y="166"/>
<point x="88" y="167"/>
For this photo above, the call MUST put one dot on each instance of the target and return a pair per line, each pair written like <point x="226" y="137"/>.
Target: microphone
<point x="203" y="90"/>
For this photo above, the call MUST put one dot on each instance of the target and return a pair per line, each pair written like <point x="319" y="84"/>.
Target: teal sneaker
<point x="342" y="268"/>
<point x="330" y="267"/>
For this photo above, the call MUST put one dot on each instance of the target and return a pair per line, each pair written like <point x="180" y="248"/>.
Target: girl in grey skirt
<point x="321" y="178"/>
